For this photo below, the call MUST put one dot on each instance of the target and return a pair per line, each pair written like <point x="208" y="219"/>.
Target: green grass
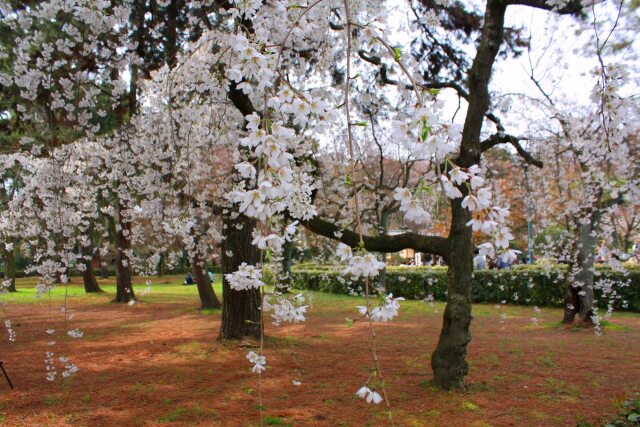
<point x="163" y="289"/>
<point x="169" y="289"/>
<point x="270" y="420"/>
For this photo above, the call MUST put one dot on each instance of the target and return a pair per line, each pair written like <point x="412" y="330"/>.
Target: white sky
<point x="561" y="61"/>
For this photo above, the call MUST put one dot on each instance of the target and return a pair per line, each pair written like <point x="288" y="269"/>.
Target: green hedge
<point x="524" y="285"/>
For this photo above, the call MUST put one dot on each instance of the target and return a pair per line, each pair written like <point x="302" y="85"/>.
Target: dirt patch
<point x="158" y="363"/>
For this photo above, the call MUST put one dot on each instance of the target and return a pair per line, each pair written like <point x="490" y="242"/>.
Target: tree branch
<point x="503" y="138"/>
<point x="573" y="7"/>
<point x="428" y="244"/>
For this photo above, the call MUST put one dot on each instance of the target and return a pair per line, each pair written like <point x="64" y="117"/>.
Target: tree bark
<point x="448" y="360"/>
<point x="208" y="298"/>
<point x="240" y="309"/>
<point x="161" y="265"/>
<point x="579" y="295"/>
<point x="124" y="287"/>
<point x="10" y="269"/>
<point x="88" y="276"/>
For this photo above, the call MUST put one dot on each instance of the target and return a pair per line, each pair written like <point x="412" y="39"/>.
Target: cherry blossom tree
<point x="201" y="116"/>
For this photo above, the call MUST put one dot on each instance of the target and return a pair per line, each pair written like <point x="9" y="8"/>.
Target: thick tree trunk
<point x="208" y="298"/>
<point x="579" y="295"/>
<point x="10" y="269"/>
<point x="448" y="359"/>
<point x="124" y="287"/>
<point x="240" y="309"/>
<point x="88" y="276"/>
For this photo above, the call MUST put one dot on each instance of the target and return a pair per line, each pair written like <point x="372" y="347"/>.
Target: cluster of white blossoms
<point x="12" y="334"/>
<point x="259" y="362"/>
<point x="369" y="395"/>
<point x="384" y="312"/>
<point x="478" y="198"/>
<point x="491" y="222"/>
<point x="4" y="286"/>
<point x="606" y="92"/>
<point x="488" y="219"/>
<point x="273" y="240"/>
<point x="247" y="277"/>
<point x="89" y="29"/>
<point x="285" y="309"/>
<point x="75" y="333"/>
<point x="50" y="366"/>
<point x="358" y="266"/>
<point x="245" y="8"/>
<point x="279" y="186"/>
<point x="43" y="288"/>
<point x="361" y="265"/>
<point x="252" y="66"/>
<point x="411" y="207"/>
<point x="69" y="368"/>
<point x="425" y="135"/>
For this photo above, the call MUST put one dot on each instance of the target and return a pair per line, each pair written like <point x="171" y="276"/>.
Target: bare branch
<point x="503" y="138"/>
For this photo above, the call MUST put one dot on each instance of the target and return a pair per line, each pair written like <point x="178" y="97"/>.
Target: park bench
<point x="5" y="374"/>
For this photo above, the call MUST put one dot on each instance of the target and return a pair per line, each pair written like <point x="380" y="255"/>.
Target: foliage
<point x="522" y="285"/>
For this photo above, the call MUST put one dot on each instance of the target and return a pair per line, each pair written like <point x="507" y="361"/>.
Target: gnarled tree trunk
<point x="448" y="359"/>
<point x="240" y="309"/>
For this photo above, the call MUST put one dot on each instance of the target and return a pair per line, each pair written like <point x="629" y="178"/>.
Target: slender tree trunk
<point x="448" y="359"/>
<point x="104" y="267"/>
<point x="240" y="309"/>
<point x="10" y="268"/>
<point x="208" y="297"/>
<point x="161" y="265"/>
<point x="88" y="276"/>
<point x="124" y="287"/>
<point x="579" y="295"/>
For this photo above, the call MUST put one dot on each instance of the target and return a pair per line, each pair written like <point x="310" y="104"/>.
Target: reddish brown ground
<point x="158" y="363"/>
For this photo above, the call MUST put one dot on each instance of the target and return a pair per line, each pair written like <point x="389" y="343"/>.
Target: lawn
<point x="157" y="362"/>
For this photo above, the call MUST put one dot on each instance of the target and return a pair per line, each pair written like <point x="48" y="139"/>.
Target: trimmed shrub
<point x="527" y="285"/>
